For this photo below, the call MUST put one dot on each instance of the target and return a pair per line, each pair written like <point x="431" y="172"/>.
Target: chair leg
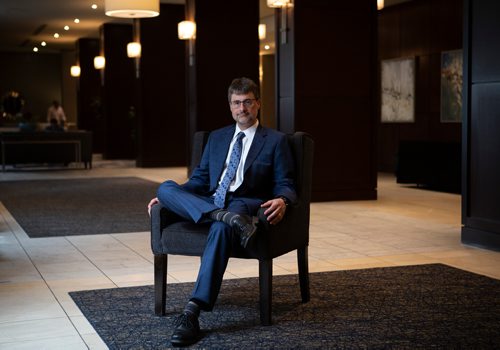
<point x="160" y="283"/>
<point x="303" y="262"/>
<point x="265" y="287"/>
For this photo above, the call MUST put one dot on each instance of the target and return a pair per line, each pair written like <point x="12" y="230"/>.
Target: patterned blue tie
<point x="234" y="161"/>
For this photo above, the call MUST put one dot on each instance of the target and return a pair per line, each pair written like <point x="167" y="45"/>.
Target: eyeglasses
<point x="247" y="103"/>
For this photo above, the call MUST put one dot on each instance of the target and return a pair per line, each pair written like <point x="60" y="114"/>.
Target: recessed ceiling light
<point x="66" y="27"/>
<point x="76" y="20"/>
<point x="43" y="43"/>
<point x="35" y="49"/>
<point x="267" y="47"/>
<point x="94" y="6"/>
<point x="56" y="35"/>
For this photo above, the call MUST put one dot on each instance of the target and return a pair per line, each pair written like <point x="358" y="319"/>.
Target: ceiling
<point x="24" y="24"/>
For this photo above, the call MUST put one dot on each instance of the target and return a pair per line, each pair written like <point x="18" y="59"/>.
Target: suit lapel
<point x="257" y="144"/>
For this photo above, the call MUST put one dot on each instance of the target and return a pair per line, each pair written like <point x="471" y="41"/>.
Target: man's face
<point x="244" y="109"/>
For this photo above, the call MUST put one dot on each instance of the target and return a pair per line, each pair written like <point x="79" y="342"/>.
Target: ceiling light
<point x="277" y="3"/>
<point x="267" y="47"/>
<point x="380" y="4"/>
<point x="76" y="20"/>
<point x="35" y="49"/>
<point x="132" y="8"/>
<point x="56" y="35"/>
<point x="66" y="27"/>
<point x="75" y="71"/>
<point x="99" y="62"/>
<point x="94" y="6"/>
<point x="43" y="43"/>
<point x="134" y="49"/>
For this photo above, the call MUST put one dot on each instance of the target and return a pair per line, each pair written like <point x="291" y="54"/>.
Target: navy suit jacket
<point x="268" y="171"/>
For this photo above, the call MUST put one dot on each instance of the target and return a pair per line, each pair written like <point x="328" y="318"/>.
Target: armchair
<point x="292" y="233"/>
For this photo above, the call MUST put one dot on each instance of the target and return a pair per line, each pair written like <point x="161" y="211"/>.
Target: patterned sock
<point x="193" y="308"/>
<point x="222" y="215"/>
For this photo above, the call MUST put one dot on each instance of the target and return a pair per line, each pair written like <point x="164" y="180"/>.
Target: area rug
<point x="45" y="208"/>
<point x="410" y="307"/>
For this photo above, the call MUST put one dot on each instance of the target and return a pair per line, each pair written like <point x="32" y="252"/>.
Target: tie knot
<point x="240" y="135"/>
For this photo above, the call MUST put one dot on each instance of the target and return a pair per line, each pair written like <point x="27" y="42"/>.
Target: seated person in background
<point x="26" y="125"/>
<point x="56" y="112"/>
<point x="54" y="126"/>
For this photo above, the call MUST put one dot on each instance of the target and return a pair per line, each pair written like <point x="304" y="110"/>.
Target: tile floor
<point x="405" y="226"/>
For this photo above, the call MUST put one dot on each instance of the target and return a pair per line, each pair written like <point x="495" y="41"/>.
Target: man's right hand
<point x="152" y="202"/>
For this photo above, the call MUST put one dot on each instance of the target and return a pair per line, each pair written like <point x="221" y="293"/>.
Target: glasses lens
<point x="246" y="103"/>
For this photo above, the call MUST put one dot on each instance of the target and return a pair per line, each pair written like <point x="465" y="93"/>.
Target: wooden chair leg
<point x="160" y="267"/>
<point x="265" y="287"/>
<point x="303" y="262"/>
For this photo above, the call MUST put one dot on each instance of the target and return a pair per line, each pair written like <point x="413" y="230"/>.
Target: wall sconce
<point x="380" y="4"/>
<point x="262" y="31"/>
<point x="132" y="8"/>
<point x="186" y="30"/>
<point x="99" y="62"/>
<point x="75" y="71"/>
<point x="283" y="5"/>
<point x="134" y="49"/>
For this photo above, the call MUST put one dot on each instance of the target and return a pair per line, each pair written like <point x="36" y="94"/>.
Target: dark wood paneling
<point x="162" y="125"/>
<point x="481" y="126"/>
<point x="331" y="94"/>
<point x="226" y="47"/>
<point x="485" y="52"/>
<point x="485" y="151"/>
<point x="420" y="29"/>
<point x="118" y="93"/>
<point x="90" y="114"/>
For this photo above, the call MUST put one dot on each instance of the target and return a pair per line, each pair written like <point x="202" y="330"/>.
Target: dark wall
<point x="481" y="129"/>
<point x="226" y="47"/>
<point x="90" y="110"/>
<point x="118" y="93"/>
<point x="162" y="133"/>
<point x="326" y="81"/>
<point x="36" y="76"/>
<point x="420" y="29"/>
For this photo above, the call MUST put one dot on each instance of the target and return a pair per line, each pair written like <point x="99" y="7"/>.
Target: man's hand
<point x="152" y="202"/>
<point x="275" y="210"/>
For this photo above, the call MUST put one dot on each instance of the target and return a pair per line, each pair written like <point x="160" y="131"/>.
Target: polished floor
<point x="405" y="226"/>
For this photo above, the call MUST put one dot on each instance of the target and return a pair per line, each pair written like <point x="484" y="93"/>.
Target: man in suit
<point x="244" y="166"/>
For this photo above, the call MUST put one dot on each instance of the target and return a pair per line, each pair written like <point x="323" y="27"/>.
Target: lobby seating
<point x="292" y="233"/>
<point x="435" y="165"/>
<point x="46" y="148"/>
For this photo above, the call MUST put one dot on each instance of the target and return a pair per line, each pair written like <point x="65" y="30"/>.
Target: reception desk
<point x="46" y="148"/>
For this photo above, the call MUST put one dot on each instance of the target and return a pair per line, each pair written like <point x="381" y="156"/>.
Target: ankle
<point x="192" y="308"/>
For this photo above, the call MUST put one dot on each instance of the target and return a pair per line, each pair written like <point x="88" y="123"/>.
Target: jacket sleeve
<point x="284" y="171"/>
<point x="199" y="182"/>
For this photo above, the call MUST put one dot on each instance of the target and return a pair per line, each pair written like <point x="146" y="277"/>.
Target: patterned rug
<point x="411" y="307"/>
<point x="46" y="208"/>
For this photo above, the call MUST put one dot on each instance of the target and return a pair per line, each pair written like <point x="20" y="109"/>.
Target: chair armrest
<point x="289" y="234"/>
<point x="158" y="223"/>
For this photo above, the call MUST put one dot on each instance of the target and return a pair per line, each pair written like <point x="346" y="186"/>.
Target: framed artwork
<point x="398" y="90"/>
<point x="451" y="86"/>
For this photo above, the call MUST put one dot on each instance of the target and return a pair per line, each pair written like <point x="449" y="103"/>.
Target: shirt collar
<point x="249" y="131"/>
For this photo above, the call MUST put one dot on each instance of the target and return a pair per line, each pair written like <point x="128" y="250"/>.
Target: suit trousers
<point x="221" y="239"/>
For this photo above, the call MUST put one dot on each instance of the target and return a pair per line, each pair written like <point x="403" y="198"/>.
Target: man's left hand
<point x="275" y="210"/>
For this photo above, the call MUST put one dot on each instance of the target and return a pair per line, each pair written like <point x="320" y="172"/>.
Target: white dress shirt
<point x="246" y="143"/>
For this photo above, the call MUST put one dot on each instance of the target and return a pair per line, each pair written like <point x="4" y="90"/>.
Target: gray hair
<point x="240" y="86"/>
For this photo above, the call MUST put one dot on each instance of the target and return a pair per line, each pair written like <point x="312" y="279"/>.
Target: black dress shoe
<point x="187" y="330"/>
<point x="245" y="226"/>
